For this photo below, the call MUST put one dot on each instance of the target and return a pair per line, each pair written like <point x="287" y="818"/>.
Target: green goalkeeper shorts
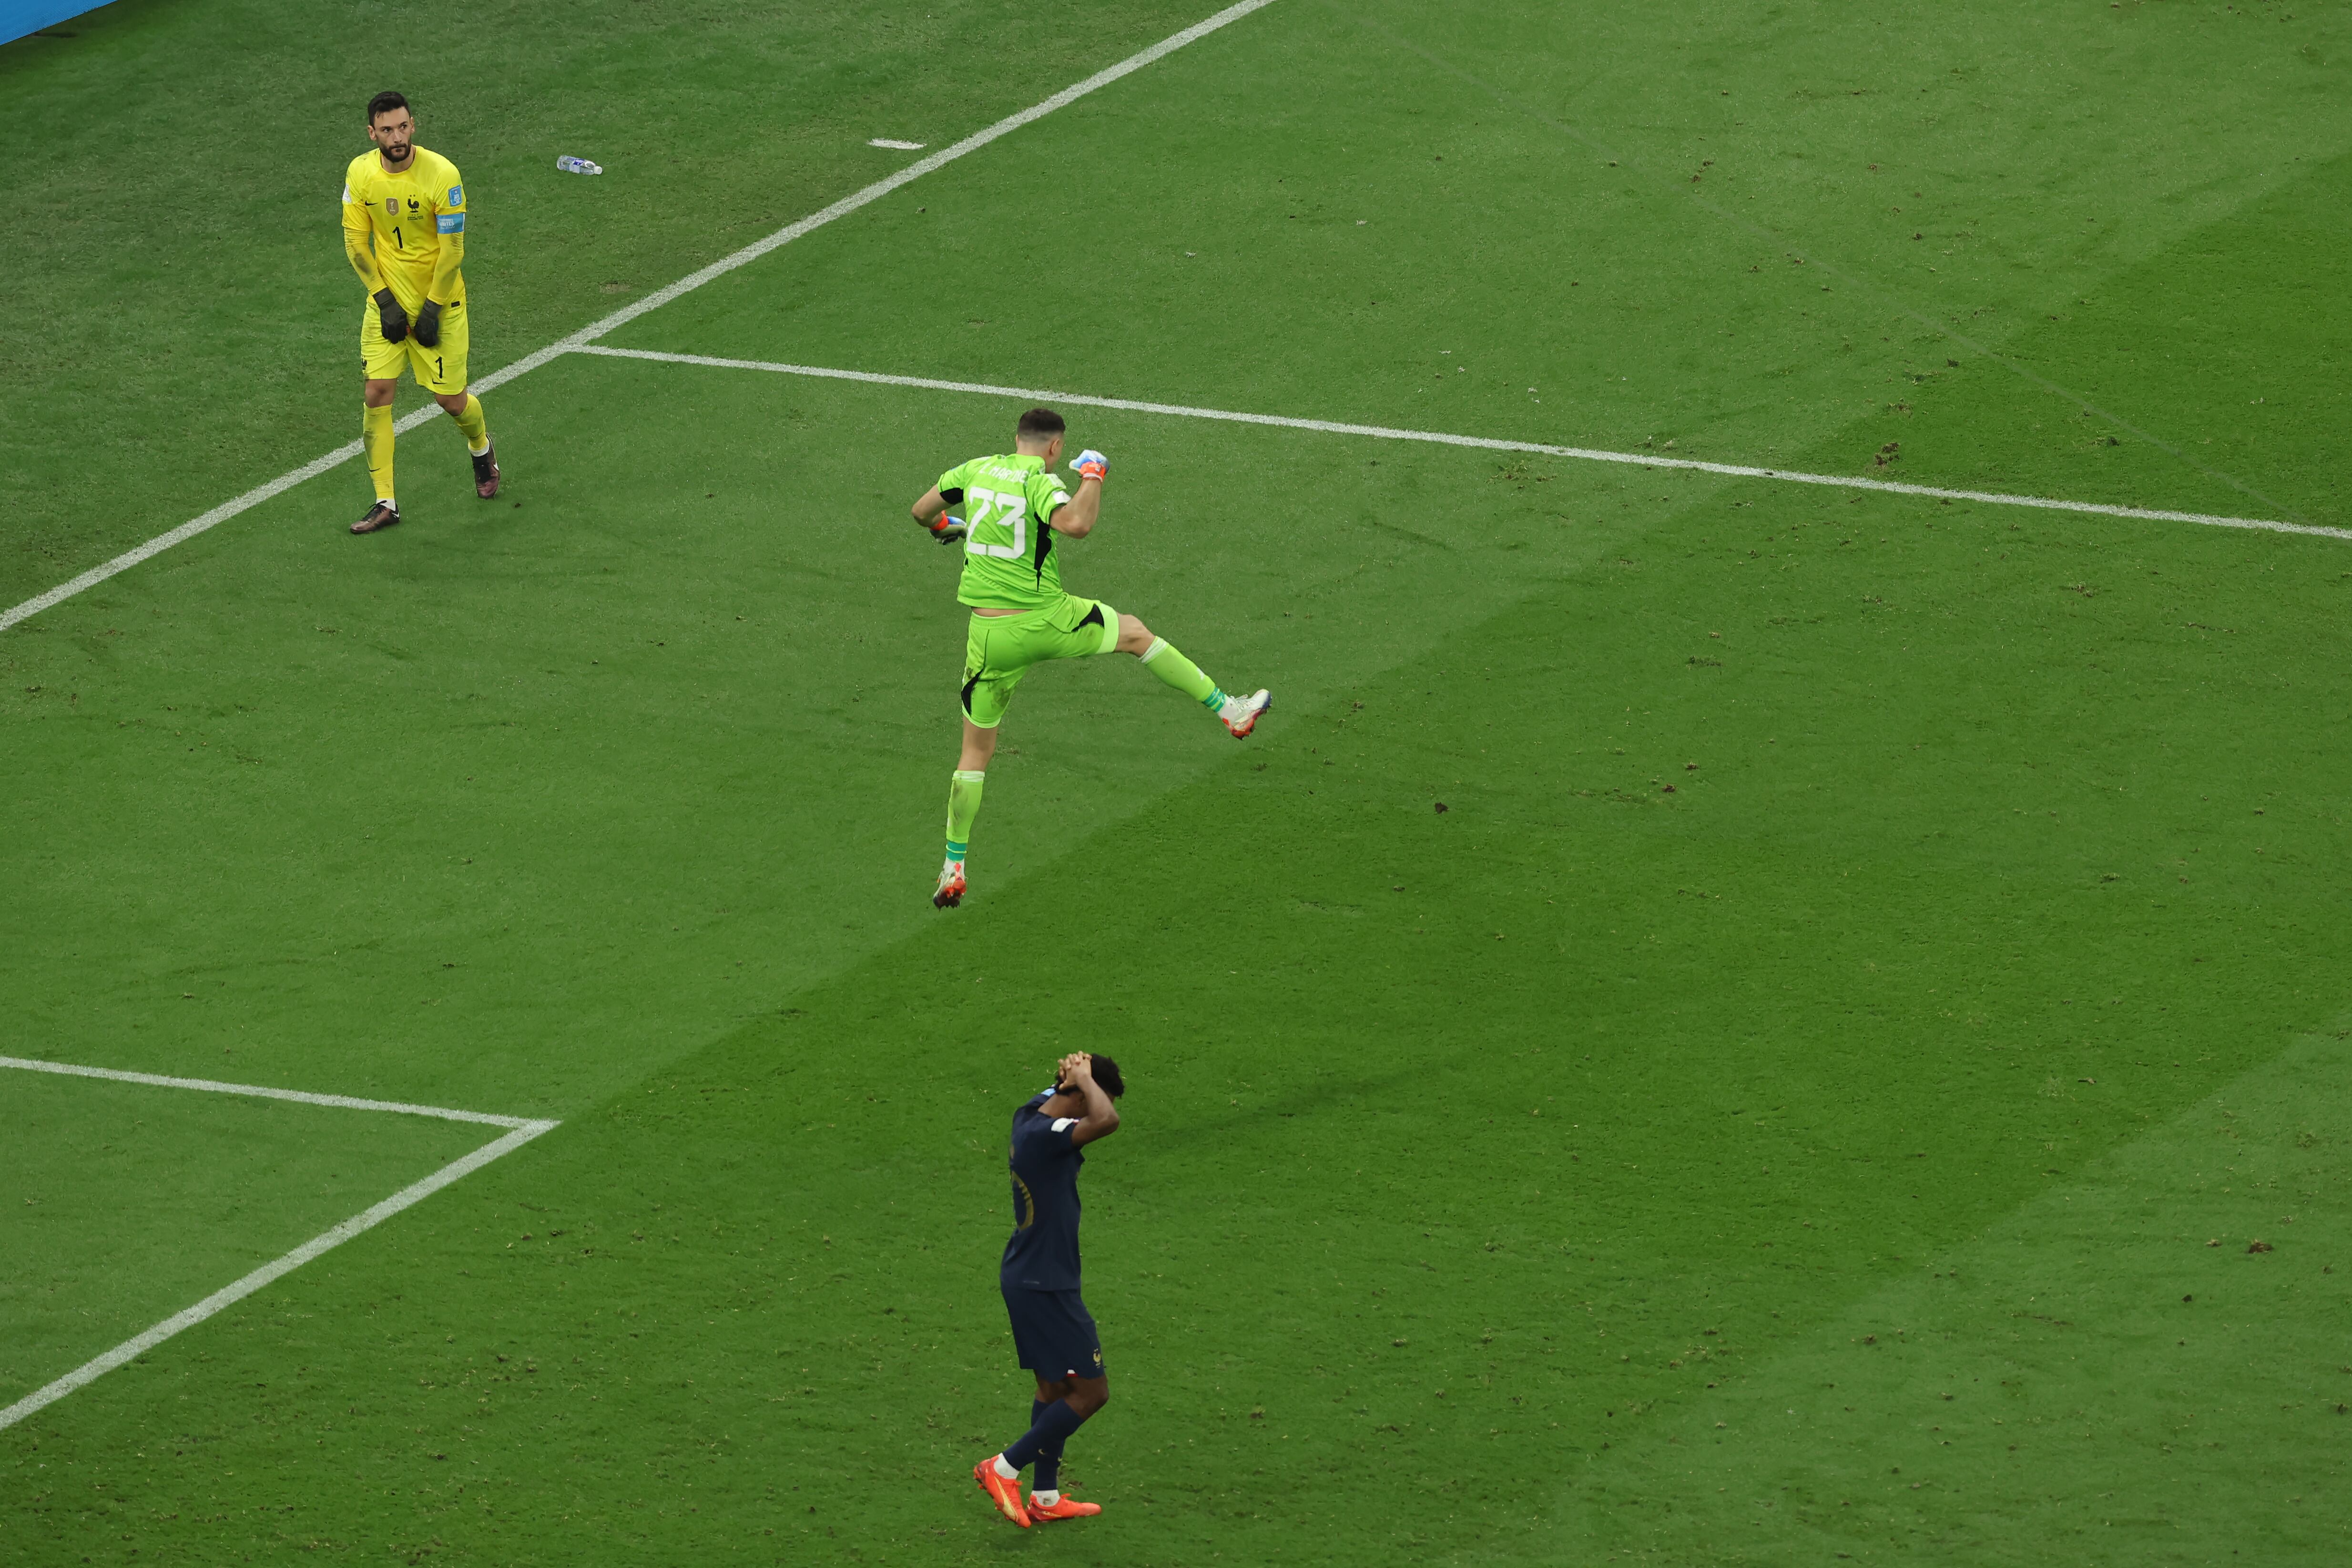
<point x="999" y="649"/>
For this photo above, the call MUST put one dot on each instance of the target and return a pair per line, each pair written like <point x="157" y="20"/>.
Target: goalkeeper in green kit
<point x="1014" y="506"/>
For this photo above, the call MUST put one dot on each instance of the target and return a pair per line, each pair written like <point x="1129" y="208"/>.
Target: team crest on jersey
<point x="412" y="204"/>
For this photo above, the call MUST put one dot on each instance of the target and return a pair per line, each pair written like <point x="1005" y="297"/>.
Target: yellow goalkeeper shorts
<point x="439" y="370"/>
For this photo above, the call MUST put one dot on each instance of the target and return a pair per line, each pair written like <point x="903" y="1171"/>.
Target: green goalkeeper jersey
<point x="1008" y="556"/>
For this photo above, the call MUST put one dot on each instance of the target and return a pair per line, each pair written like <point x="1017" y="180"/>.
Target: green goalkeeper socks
<point x="1180" y="673"/>
<point x="963" y="804"/>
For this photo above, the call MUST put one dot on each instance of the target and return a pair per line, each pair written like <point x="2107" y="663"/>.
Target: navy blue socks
<point x="1047" y="1434"/>
<point x="1047" y="1477"/>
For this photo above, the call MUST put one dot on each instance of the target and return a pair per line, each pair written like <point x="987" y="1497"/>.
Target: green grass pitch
<point x="1855" y="1071"/>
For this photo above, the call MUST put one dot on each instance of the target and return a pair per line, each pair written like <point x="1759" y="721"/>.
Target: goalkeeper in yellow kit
<point x="405" y="232"/>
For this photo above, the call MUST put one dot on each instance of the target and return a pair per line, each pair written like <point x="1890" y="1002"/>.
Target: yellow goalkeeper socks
<point x="476" y="427"/>
<point x="375" y="435"/>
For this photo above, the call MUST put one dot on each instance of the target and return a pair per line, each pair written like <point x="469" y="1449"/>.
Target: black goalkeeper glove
<point x="427" y="329"/>
<point x="390" y="316"/>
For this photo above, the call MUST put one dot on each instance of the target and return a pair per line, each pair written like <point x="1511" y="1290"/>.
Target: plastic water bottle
<point x="577" y="166"/>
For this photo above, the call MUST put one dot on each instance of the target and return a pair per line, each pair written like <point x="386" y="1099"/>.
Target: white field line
<point x="262" y="1091"/>
<point x="1484" y="442"/>
<point x="521" y="1130"/>
<point x="630" y="313"/>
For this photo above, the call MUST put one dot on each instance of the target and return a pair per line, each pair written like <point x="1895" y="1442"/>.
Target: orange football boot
<point x="1063" y="1508"/>
<point x="952" y="886"/>
<point x="1005" y="1494"/>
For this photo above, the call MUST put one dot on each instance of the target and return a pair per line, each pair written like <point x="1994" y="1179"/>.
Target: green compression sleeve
<point x="1178" y="671"/>
<point x="963" y="804"/>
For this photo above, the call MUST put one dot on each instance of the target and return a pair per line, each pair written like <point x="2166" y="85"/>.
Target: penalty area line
<point x="262" y="1091"/>
<point x="1482" y="443"/>
<point x="521" y="1131"/>
<point x="630" y="313"/>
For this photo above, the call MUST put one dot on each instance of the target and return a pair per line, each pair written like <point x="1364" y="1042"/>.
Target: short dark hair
<point x="1040" y="422"/>
<point x="385" y="103"/>
<point x="1106" y="1076"/>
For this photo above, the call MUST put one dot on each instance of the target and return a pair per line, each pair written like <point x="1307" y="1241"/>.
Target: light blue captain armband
<point x="451" y="223"/>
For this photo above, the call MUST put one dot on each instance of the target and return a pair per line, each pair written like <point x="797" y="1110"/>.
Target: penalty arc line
<point x="1482" y="443"/>
<point x="521" y="1130"/>
<point x="630" y="313"/>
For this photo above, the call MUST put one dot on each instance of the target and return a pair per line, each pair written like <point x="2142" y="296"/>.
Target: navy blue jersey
<point x="1043" y="1251"/>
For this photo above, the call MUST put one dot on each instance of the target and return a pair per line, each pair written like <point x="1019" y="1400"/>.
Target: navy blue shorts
<point x="1054" y="1334"/>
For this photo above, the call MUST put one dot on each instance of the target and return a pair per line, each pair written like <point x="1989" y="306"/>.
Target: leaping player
<point x="1014" y="506"/>
<point x="405" y="232"/>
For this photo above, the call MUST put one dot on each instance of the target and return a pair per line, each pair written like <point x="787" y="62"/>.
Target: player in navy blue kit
<point x="1051" y="1329"/>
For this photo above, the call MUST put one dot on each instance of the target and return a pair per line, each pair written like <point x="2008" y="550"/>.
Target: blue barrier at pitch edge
<point x="18" y="17"/>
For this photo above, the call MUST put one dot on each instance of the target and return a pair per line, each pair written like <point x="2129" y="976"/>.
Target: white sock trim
<point x="1004" y="1471"/>
<point x="1159" y="645"/>
<point x="1049" y="1497"/>
<point x="972" y="775"/>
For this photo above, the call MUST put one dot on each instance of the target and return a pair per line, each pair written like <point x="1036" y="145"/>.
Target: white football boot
<point x="1239" y="713"/>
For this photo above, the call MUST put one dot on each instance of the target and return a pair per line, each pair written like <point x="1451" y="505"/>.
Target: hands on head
<point x="1098" y="1115"/>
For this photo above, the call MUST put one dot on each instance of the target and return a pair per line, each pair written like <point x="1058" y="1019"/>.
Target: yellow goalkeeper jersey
<point x="412" y="216"/>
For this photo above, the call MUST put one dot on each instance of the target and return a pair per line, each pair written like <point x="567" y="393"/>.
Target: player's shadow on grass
<point x="1216" y="1128"/>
